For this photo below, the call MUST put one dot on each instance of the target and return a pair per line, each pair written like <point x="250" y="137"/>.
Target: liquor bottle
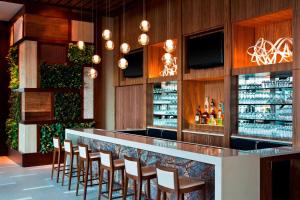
<point x="212" y="115"/>
<point x="205" y="115"/>
<point x="198" y="115"/>
<point x="220" y="115"/>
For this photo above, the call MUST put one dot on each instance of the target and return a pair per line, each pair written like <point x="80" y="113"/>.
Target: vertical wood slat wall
<point x="195" y="17"/>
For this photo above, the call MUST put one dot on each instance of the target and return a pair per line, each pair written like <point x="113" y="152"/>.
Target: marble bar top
<point x="197" y="152"/>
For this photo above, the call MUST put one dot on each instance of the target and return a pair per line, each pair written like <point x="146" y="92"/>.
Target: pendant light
<point x="96" y="58"/>
<point x="124" y="47"/>
<point x="80" y="43"/>
<point x="123" y="63"/>
<point x="106" y="33"/>
<point x="143" y="38"/>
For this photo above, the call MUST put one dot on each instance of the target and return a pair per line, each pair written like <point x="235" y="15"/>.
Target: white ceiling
<point x="8" y="10"/>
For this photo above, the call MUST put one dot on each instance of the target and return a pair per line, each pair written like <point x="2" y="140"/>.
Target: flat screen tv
<point x="135" y="64"/>
<point x="205" y="51"/>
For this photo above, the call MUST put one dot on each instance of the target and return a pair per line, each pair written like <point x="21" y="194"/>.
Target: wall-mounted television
<point x="135" y="64"/>
<point x="205" y="51"/>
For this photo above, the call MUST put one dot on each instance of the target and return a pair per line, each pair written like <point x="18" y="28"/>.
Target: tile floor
<point x="17" y="183"/>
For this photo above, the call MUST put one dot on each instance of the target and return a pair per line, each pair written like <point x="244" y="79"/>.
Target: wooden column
<point x="227" y="72"/>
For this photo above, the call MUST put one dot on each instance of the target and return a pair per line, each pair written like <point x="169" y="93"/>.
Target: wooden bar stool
<point x="111" y="166"/>
<point x="169" y="182"/>
<point x="70" y="151"/>
<point x="57" y="151"/>
<point x="134" y="171"/>
<point x="85" y="162"/>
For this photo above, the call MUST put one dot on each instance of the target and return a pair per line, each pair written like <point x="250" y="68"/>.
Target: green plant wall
<point x="14" y="116"/>
<point x="80" y="57"/>
<point x="67" y="106"/>
<point x="61" y="76"/>
<point x="48" y="131"/>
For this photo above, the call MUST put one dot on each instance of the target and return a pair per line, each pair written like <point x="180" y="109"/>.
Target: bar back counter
<point x="229" y="174"/>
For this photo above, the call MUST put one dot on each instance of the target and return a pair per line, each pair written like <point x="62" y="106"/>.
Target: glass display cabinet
<point x="265" y="105"/>
<point x="165" y="104"/>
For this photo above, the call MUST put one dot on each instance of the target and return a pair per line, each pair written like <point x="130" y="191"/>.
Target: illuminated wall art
<point x="170" y="70"/>
<point x="265" y="52"/>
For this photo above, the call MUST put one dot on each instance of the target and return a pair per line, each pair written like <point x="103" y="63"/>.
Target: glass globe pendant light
<point x="80" y="44"/>
<point x="143" y="39"/>
<point x="92" y="74"/>
<point x="109" y="45"/>
<point x="125" y="48"/>
<point x="123" y="63"/>
<point x="167" y="59"/>
<point x="96" y="59"/>
<point x="169" y="46"/>
<point x="145" y="26"/>
<point x="106" y="34"/>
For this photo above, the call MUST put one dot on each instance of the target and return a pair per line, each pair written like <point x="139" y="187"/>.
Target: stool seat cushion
<point x="148" y="171"/>
<point x="188" y="183"/>
<point x="95" y="155"/>
<point x="119" y="163"/>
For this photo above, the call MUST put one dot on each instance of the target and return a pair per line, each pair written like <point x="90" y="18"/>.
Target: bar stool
<point x="70" y="151"/>
<point x="169" y="182"/>
<point x="57" y="151"/>
<point x="111" y="166"/>
<point x="84" y="165"/>
<point x="134" y="171"/>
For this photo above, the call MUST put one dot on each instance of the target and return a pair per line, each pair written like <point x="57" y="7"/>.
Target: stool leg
<point x="182" y="196"/>
<point x="148" y="192"/>
<point x="91" y="171"/>
<point x="53" y="164"/>
<point x="100" y="183"/>
<point x="107" y="185"/>
<point x="140" y="183"/>
<point x="78" y="176"/>
<point x="164" y="195"/>
<point x="204" y="193"/>
<point x="58" y="168"/>
<point x="86" y="175"/>
<point x="64" y="169"/>
<point x="122" y="182"/>
<point x="71" y="171"/>
<point x="111" y="185"/>
<point x="134" y="189"/>
<point x="125" y="187"/>
<point x="158" y="194"/>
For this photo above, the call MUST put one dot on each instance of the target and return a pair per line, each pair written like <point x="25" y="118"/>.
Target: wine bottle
<point x="198" y="115"/>
<point x="205" y="115"/>
<point x="212" y="115"/>
<point x="220" y="115"/>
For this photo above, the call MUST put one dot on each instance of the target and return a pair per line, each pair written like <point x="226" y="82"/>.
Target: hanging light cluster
<point x="106" y="33"/>
<point x="143" y="38"/>
<point x="170" y="66"/>
<point x="80" y="43"/>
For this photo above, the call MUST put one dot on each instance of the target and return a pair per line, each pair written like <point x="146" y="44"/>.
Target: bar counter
<point x="230" y="174"/>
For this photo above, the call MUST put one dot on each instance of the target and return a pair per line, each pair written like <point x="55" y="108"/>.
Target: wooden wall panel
<point x="46" y="28"/>
<point x="28" y="71"/>
<point x="129" y="107"/>
<point x="241" y="9"/>
<point x="18" y="30"/>
<point x="81" y="30"/>
<point x="158" y="17"/>
<point x="52" y="53"/>
<point x="200" y="15"/>
<point x="203" y="139"/>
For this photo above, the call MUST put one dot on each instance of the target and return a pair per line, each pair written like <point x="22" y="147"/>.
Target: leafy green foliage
<point x="57" y="130"/>
<point x="12" y="123"/>
<point x="12" y="59"/>
<point x="14" y="116"/>
<point x="61" y="76"/>
<point x="67" y="106"/>
<point x="80" y="57"/>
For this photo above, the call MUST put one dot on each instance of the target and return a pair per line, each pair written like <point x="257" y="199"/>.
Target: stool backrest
<point x="83" y="151"/>
<point x="68" y="146"/>
<point x="132" y="166"/>
<point x="106" y="159"/>
<point x="56" y="142"/>
<point x="167" y="178"/>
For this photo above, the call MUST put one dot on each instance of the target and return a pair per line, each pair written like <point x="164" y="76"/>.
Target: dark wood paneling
<point x="46" y="28"/>
<point x="199" y="15"/>
<point x="241" y="9"/>
<point x="129" y="107"/>
<point x="52" y="53"/>
<point x="4" y="81"/>
<point x="203" y="139"/>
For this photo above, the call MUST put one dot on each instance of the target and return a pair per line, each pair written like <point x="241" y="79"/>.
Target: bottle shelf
<point x="271" y="88"/>
<point x="206" y="128"/>
<point x="258" y="119"/>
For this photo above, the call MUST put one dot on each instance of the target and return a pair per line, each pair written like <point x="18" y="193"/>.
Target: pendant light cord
<point x="144" y="9"/>
<point x="124" y="31"/>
